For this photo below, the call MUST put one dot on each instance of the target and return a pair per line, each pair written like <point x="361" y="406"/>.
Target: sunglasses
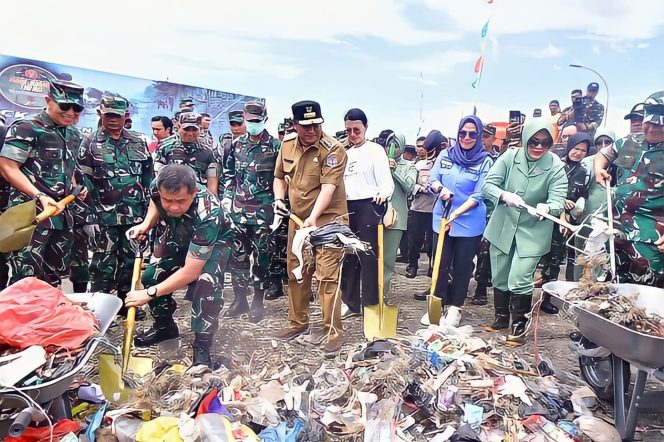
<point x="602" y="143"/>
<point x="190" y="129"/>
<point x="64" y="107"/>
<point x="545" y="143"/>
<point x="469" y="134"/>
<point x="355" y="130"/>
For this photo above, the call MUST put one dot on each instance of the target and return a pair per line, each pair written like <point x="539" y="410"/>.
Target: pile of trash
<point x="441" y="384"/>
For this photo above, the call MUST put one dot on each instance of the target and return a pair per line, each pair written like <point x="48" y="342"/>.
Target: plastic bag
<point x="32" y="312"/>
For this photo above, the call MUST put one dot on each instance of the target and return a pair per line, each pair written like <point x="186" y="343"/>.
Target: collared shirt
<point x="367" y="172"/>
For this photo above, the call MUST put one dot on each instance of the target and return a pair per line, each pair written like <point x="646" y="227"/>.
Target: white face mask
<point x="255" y="128"/>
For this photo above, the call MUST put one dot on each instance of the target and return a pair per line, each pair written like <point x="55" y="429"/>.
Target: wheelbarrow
<point x="625" y="347"/>
<point x="50" y="395"/>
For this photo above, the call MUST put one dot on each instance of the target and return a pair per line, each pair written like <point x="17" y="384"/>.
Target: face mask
<point x="255" y="128"/>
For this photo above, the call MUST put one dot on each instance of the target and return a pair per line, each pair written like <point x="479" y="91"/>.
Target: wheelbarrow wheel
<point x="598" y="374"/>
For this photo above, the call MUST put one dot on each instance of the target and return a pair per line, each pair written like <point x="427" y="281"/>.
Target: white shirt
<point x="367" y="172"/>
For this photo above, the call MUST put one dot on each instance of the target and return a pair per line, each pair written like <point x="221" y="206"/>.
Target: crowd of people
<point x="206" y="206"/>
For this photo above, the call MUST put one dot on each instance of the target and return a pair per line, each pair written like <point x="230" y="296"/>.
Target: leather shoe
<point x="411" y="272"/>
<point x="421" y="296"/>
<point x="402" y="259"/>
<point x="288" y="333"/>
<point x="275" y="291"/>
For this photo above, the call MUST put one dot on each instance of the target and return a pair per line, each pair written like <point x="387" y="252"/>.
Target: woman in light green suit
<point x="529" y="175"/>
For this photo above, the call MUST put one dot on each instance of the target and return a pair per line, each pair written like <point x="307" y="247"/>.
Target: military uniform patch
<point x="333" y="160"/>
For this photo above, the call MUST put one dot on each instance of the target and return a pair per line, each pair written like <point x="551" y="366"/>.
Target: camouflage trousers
<point x="552" y="261"/>
<point x="278" y="270"/>
<point x="112" y="260"/>
<point x="45" y="258"/>
<point x="205" y="294"/>
<point x="253" y="248"/>
<point x="79" y="260"/>
<point x="483" y="270"/>
<point x="639" y="263"/>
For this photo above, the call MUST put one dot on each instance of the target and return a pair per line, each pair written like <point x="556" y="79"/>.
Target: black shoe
<point x="162" y="330"/>
<point x="421" y="296"/>
<point x="239" y="306"/>
<point x="275" y="291"/>
<point x="411" y="271"/>
<point x="501" y="305"/>
<point x="429" y="272"/>
<point x="402" y="259"/>
<point x="80" y="287"/>
<point x="140" y="313"/>
<point x="519" y="306"/>
<point x="201" y="346"/>
<point x="546" y="306"/>
<point x="480" y="297"/>
<point x="256" y="309"/>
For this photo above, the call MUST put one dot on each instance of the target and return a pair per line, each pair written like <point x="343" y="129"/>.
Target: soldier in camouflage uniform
<point x="4" y="200"/>
<point x="248" y="197"/>
<point x="78" y="257"/>
<point x="184" y="148"/>
<point x="593" y="111"/>
<point x="639" y="199"/>
<point x="192" y="254"/>
<point x="205" y="137"/>
<point x="116" y="166"/>
<point x="38" y="161"/>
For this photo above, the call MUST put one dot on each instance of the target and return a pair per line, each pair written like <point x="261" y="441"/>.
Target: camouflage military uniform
<point x="46" y="153"/>
<point x="248" y="177"/>
<point x="202" y="233"/>
<point x="78" y="258"/>
<point x="118" y="174"/>
<point x="206" y="140"/>
<point x="172" y="150"/>
<point x="593" y="112"/>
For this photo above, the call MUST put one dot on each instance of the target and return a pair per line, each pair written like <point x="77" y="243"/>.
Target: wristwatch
<point x="38" y="195"/>
<point x="152" y="291"/>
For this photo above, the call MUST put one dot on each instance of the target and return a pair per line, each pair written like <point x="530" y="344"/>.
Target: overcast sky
<point x="379" y="55"/>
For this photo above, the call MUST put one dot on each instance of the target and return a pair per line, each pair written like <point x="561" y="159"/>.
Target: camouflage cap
<point x="254" y="110"/>
<point x="187" y="104"/>
<point x="281" y="128"/>
<point x="288" y="123"/>
<point x="113" y="104"/>
<point x="64" y="91"/>
<point x="236" y="116"/>
<point x="190" y="119"/>
<point x="636" y="112"/>
<point x="654" y="109"/>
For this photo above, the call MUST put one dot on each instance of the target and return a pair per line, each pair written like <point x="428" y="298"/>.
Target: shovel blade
<point x="111" y="377"/>
<point x="380" y="323"/>
<point x="434" y="309"/>
<point x="17" y="226"/>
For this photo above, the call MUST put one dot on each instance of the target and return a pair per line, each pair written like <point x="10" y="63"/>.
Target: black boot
<point x="140" y="313"/>
<point x="239" y="305"/>
<point x="411" y="271"/>
<point x="275" y="291"/>
<point x="421" y="296"/>
<point x="402" y="259"/>
<point x="501" y="305"/>
<point x="480" y="297"/>
<point x="256" y="309"/>
<point x="163" y="329"/>
<point x="546" y="306"/>
<point x="80" y="287"/>
<point x="202" y="344"/>
<point x="519" y="306"/>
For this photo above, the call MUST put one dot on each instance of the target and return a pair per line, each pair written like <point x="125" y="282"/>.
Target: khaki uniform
<point x="305" y="170"/>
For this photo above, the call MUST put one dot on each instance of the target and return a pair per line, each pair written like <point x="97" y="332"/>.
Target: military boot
<point x="201" y="346"/>
<point x="163" y="329"/>
<point x="501" y="305"/>
<point x="275" y="291"/>
<point x="256" y="309"/>
<point x="480" y="297"/>
<point x="239" y="306"/>
<point x="519" y="306"/>
<point x="546" y="306"/>
<point x="80" y="287"/>
<point x="140" y="313"/>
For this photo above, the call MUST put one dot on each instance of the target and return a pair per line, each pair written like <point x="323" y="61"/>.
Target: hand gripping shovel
<point x="138" y="247"/>
<point x="434" y="303"/>
<point x="18" y="223"/>
<point x="380" y="321"/>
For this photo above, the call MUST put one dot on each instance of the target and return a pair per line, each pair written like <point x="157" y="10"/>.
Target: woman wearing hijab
<point x="369" y="184"/>
<point x="457" y="178"/>
<point x="529" y="175"/>
<point x="578" y="180"/>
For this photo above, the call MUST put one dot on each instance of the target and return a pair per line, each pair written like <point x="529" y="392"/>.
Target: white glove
<point x="512" y="199"/>
<point x="226" y="204"/>
<point x="91" y="230"/>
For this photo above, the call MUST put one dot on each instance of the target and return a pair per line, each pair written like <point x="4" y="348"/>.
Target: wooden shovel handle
<point x="48" y="212"/>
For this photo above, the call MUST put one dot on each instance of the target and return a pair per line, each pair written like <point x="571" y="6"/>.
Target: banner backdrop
<point x="24" y="83"/>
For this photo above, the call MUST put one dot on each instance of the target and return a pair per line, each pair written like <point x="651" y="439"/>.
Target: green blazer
<point x="546" y="183"/>
<point x="405" y="177"/>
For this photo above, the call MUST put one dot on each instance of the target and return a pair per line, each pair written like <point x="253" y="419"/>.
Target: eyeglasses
<point x="190" y="129"/>
<point x="545" y="143"/>
<point x="355" y="130"/>
<point x="64" y="107"/>
<point x="604" y="142"/>
<point x="468" y="134"/>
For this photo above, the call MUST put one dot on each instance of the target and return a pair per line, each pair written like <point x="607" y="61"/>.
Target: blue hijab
<point x="476" y="154"/>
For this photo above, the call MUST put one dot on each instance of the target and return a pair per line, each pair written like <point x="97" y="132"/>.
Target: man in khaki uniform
<point x="311" y="167"/>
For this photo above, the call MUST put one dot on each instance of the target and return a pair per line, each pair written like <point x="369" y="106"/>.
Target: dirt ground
<point x="251" y="347"/>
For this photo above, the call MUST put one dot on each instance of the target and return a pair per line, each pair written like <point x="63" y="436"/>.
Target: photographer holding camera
<point x="574" y="113"/>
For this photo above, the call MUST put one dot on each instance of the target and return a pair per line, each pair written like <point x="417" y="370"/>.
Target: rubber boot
<point x="546" y="306"/>
<point x="239" y="306"/>
<point x="256" y="309"/>
<point x="163" y="329"/>
<point x="501" y="305"/>
<point x="520" y="305"/>
<point x="201" y="346"/>
<point x="80" y="287"/>
<point x="480" y="298"/>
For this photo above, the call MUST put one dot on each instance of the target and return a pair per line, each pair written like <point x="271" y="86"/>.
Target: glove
<point x="226" y="204"/>
<point x="512" y="199"/>
<point x="91" y="230"/>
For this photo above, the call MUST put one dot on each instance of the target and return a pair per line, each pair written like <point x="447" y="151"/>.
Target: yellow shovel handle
<point x="48" y="212"/>
<point x="296" y="219"/>
<point x="439" y="255"/>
